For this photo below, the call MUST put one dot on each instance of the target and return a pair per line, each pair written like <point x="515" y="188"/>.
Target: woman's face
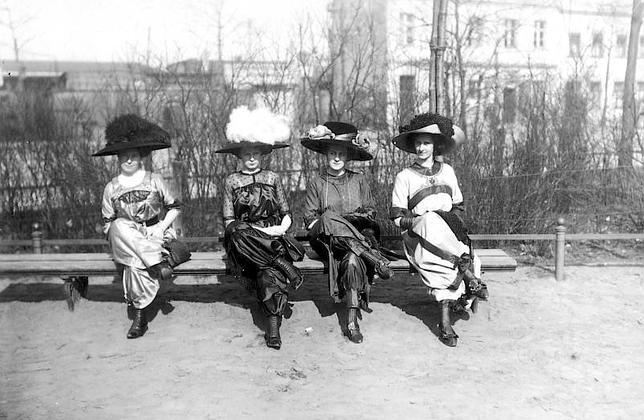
<point x="251" y="158"/>
<point x="129" y="161"/>
<point x="337" y="157"/>
<point x="424" y="145"/>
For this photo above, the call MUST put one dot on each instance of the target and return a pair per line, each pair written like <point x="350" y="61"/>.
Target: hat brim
<point x="405" y="141"/>
<point x="323" y="145"/>
<point x="115" y="148"/>
<point x="234" y="148"/>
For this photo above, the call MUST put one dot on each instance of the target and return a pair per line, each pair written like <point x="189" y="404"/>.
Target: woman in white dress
<point x="426" y="203"/>
<point x="138" y="210"/>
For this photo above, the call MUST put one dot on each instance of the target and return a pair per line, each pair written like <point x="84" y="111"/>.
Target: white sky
<point x="117" y="30"/>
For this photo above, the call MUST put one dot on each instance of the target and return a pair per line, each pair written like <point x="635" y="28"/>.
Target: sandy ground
<point x="538" y="349"/>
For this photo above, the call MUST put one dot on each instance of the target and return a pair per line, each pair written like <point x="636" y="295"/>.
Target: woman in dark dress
<point x="340" y="215"/>
<point x="257" y="216"/>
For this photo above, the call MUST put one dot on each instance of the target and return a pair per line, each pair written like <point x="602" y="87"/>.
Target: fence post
<point x="560" y="249"/>
<point x="36" y="238"/>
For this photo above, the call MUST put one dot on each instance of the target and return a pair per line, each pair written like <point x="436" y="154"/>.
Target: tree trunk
<point x="629" y="113"/>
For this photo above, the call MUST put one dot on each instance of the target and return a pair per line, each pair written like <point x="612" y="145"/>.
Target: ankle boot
<point x="448" y="337"/>
<point x="273" y="339"/>
<point x="291" y="272"/>
<point x="353" y="329"/>
<point x="379" y="263"/>
<point x="139" y="324"/>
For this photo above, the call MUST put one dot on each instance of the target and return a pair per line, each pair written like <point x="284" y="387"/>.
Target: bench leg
<point x="75" y="288"/>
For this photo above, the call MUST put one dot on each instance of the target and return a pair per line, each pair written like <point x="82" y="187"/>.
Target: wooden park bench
<point x="201" y="263"/>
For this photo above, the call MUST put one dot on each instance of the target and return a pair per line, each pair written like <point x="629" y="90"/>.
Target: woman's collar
<point x="241" y="171"/>
<point x="436" y="167"/>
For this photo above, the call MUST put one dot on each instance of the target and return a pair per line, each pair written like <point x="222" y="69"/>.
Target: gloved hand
<point x="407" y="222"/>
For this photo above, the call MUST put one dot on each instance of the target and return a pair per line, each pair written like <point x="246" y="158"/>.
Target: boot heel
<point x="139" y="324"/>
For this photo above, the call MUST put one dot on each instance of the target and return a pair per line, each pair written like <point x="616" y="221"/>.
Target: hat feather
<point x="257" y="126"/>
<point x="132" y="128"/>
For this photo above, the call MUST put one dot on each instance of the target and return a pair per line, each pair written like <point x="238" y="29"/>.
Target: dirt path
<point x="538" y="349"/>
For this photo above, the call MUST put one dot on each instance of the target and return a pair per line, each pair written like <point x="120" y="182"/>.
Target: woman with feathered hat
<point x="257" y="215"/>
<point x="340" y="215"/>
<point x="132" y="207"/>
<point x="426" y="203"/>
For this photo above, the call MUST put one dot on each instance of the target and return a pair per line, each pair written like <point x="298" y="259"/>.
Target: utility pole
<point x="437" y="46"/>
<point x="629" y="113"/>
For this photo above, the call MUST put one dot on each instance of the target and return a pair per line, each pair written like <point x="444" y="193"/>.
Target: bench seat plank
<point x="201" y="263"/>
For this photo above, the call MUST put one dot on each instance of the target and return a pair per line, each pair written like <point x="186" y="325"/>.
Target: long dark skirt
<point x="337" y="241"/>
<point x="251" y="254"/>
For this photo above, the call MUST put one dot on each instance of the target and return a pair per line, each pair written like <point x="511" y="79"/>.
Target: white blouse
<point x="411" y="180"/>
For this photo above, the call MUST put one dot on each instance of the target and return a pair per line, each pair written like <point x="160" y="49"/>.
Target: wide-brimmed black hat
<point x="336" y="133"/>
<point x="444" y="133"/>
<point x="258" y="128"/>
<point x="235" y="148"/>
<point x="130" y="131"/>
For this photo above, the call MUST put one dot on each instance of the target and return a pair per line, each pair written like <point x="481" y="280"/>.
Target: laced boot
<point x="353" y="329"/>
<point x="291" y="272"/>
<point x="273" y="339"/>
<point x="447" y="335"/>
<point x="139" y="324"/>
<point x="379" y="263"/>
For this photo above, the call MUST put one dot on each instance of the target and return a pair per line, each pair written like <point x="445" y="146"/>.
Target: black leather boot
<point x="273" y="339"/>
<point x="353" y="329"/>
<point x="446" y="333"/>
<point x="139" y="324"/>
<point x="291" y="272"/>
<point x="379" y="263"/>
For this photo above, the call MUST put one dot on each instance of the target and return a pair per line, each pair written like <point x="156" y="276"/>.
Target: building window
<point x="574" y="41"/>
<point x="618" y="94"/>
<point x="510" y="35"/>
<point x="620" y="46"/>
<point x="539" y="33"/>
<point x="474" y="31"/>
<point x="407" y="96"/>
<point x="597" y="47"/>
<point x="407" y="28"/>
<point x="509" y="104"/>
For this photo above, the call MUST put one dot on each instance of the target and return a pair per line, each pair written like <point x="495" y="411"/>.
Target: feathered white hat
<point x="255" y="128"/>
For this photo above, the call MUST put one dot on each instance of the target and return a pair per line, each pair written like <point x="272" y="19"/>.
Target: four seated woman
<point x="339" y="215"/>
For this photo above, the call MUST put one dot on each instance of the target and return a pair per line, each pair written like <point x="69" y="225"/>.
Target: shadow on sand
<point x="404" y="291"/>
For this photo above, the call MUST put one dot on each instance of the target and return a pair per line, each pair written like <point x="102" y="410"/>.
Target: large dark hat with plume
<point x="258" y="128"/>
<point x="445" y="134"/>
<point x="335" y="133"/>
<point x="130" y="131"/>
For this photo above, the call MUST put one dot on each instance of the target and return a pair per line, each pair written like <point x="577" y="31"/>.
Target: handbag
<point x="178" y="252"/>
